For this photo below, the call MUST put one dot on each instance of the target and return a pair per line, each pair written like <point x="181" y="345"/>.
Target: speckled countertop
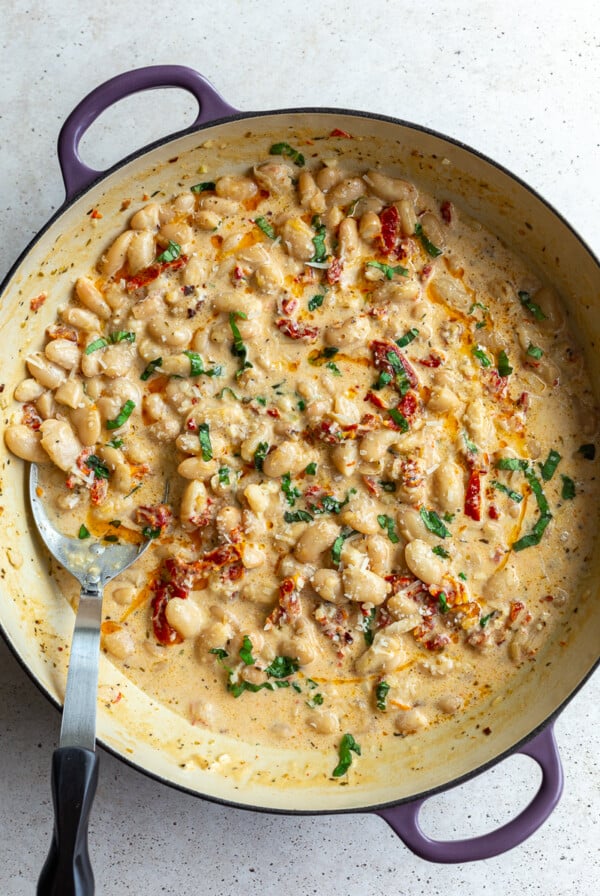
<point x="518" y="81"/>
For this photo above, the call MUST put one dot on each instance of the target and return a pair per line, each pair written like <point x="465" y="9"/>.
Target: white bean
<point x="423" y="563"/>
<point x="63" y="352"/>
<point x="90" y="296"/>
<point x="25" y="443"/>
<point x="185" y="617"/>
<point x="47" y="373"/>
<point x="289" y="457"/>
<point x="316" y="538"/>
<point x="60" y="443"/>
<point x="389" y="188"/>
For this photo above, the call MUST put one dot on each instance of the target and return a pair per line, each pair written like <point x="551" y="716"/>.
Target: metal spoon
<point x="67" y="870"/>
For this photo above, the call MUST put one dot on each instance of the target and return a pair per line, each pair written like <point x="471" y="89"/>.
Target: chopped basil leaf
<point x="402" y="380"/>
<point x="219" y="652"/>
<point x="399" y="419"/>
<point x="330" y="352"/>
<point x="282" y="667"/>
<point x="334" y="368"/>
<point x="112" y="538"/>
<point x="535" y="536"/>
<point x="311" y="469"/>
<point x="367" y="626"/>
<point x="511" y="463"/>
<point x="462" y="576"/>
<point x="338" y="544"/>
<point x="381" y="693"/>
<point x="387" y="523"/>
<point x="434" y="524"/>
<point x="478" y="305"/>
<point x="514" y="496"/>
<point x="531" y="306"/>
<point x="301" y="405"/>
<point x="203" y="187"/>
<point x="504" y="368"/>
<point x="407" y="338"/>
<point x="568" y="488"/>
<point x="115" y="523"/>
<point x="316" y="302"/>
<point x="115" y="443"/>
<point x="265" y="226"/>
<point x="548" y="468"/>
<point x="387" y="269"/>
<point x="347" y="746"/>
<point x="383" y="379"/>
<point x="171" y="253"/>
<point x="205" y="445"/>
<point x="239" y="349"/>
<point x="224" y="476"/>
<point x="231" y="392"/>
<point x="95" y="346"/>
<point x="440" y="551"/>
<point x="470" y="446"/>
<point x="197" y="365"/>
<point x="320" y="254"/>
<point x="290" y="491"/>
<point x="298" y="516"/>
<point x="329" y="504"/>
<point x="485" y="619"/>
<point x="246" y="652"/>
<point x="296" y="687"/>
<point x="481" y="356"/>
<point x="429" y="247"/>
<point x="534" y="351"/>
<point x="260" y="454"/>
<point x="443" y="602"/>
<point x="387" y="485"/>
<point x="537" y="490"/>
<point x="122" y="417"/>
<point x="83" y="532"/>
<point x="317" y="700"/>
<point x="149" y="532"/>
<point x="284" y="149"/>
<point x="99" y="469"/>
<point x="587" y="451"/>
<point x="121" y="336"/>
<point x="150" y="368"/>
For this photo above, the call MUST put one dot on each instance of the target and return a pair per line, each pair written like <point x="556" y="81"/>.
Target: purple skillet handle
<point x="404" y="819"/>
<point x="76" y="175"/>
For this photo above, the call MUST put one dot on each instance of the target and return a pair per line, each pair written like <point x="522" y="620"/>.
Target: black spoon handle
<point x="67" y="870"/>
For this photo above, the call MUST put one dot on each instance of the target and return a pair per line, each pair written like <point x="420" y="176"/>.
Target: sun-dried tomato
<point x="446" y="210"/>
<point x="432" y="360"/>
<point x="155" y="516"/>
<point x="473" y="496"/>
<point x="381" y="349"/>
<point x="147" y="275"/>
<point x="390" y="229"/>
<point x="295" y="330"/>
<point x="98" y="491"/>
<point x="334" y="271"/>
<point x="30" y="417"/>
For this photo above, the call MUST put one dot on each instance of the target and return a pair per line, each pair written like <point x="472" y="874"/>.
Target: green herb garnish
<point x="311" y="469"/>
<point x="534" y="537"/>
<point x="239" y="348"/>
<point x="99" y="469"/>
<point x="284" y="149"/>
<point x="95" y="346"/>
<point x="504" y="368"/>
<point x="434" y="524"/>
<point x="290" y="491"/>
<point x="513" y="495"/>
<point x="297" y="516"/>
<point x="402" y="380"/>
<point x="121" y="336"/>
<point x="171" y="253"/>
<point x="387" y="485"/>
<point x="368" y="622"/>
<point x="115" y="443"/>
<point x="260" y="454"/>
<point x="485" y="619"/>
<point x="150" y="368"/>
<point x="338" y="544"/>
<point x="224" y="476"/>
<point x="399" y="419"/>
<point x="548" y="468"/>
<point x="443" y="602"/>
<point x="197" y="366"/>
<point x="469" y="445"/>
<point x="246" y="652"/>
<point x="429" y="247"/>
<point x="316" y="700"/>
<point x="587" y="451"/>
<point x="205" y="444"/>
<point x="318" y="240"/>
<point x="531" y="306"/>
<point x="316" y="302"/>
<point x="440" y="551"/>
<point x="282" y="667"/>
<point x="481" y="356"/>
<point x="568" y="488"/>
<point x="381" y="692"/>
<point x="265" y="227"/>
<point x="205" y="186"/>
<point x="407" y="338"/>
<point x="511" y="463"/>
<point x="83" y="532"/>
<point x="382" y="380"/>
<point x="122" y="416"/>
<point x="387" y="269"/>
<point x="387" y="523"/>
<point x="150" y="532"/>
<point x="331" y="365"/>
<point x="347" y="746"/>
<point x="534" y="351"/>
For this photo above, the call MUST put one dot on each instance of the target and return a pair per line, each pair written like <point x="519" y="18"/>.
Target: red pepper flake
<point x="95" y="214"/>
<point x="375" y="399"/>
<point x="337" y="132"/>
<point x="487" y="731"/>
<point x="294" y="330"/>
<point x="61" y="331"/>
<point x="493" y="512"/>
<point x="437" y="642"/>
<point x="98" y="491"/>
<point x="334" y="271"/>
<point x="36" y="303"/>
<point x="523" y="401"/>
<point x="515" y="608"/>
<point x="473" y="496"/>
<point x="446" y="211"/>
<point x="371" y="484"/>
<point x="30" y="417"/>
<point x="289" y="305"/>
<point x="154" y="516"/>
<point x="408" y="406"/>
<point x="288" y="607"/>
<point x="273" y="412"/>
<point x="425" y="272"/>
<point x="548" y="598"/>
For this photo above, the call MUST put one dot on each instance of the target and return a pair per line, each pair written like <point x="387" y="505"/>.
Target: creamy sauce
<point x="378" y="435"/>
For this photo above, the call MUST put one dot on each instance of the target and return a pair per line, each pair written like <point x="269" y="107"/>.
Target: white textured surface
<point x="518" y="81"/>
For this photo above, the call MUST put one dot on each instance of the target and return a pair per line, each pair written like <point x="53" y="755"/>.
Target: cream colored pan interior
<point x="38" y="621"/>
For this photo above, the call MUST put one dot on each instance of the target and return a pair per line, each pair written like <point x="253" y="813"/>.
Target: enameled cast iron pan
<point x="36" y="621"/>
